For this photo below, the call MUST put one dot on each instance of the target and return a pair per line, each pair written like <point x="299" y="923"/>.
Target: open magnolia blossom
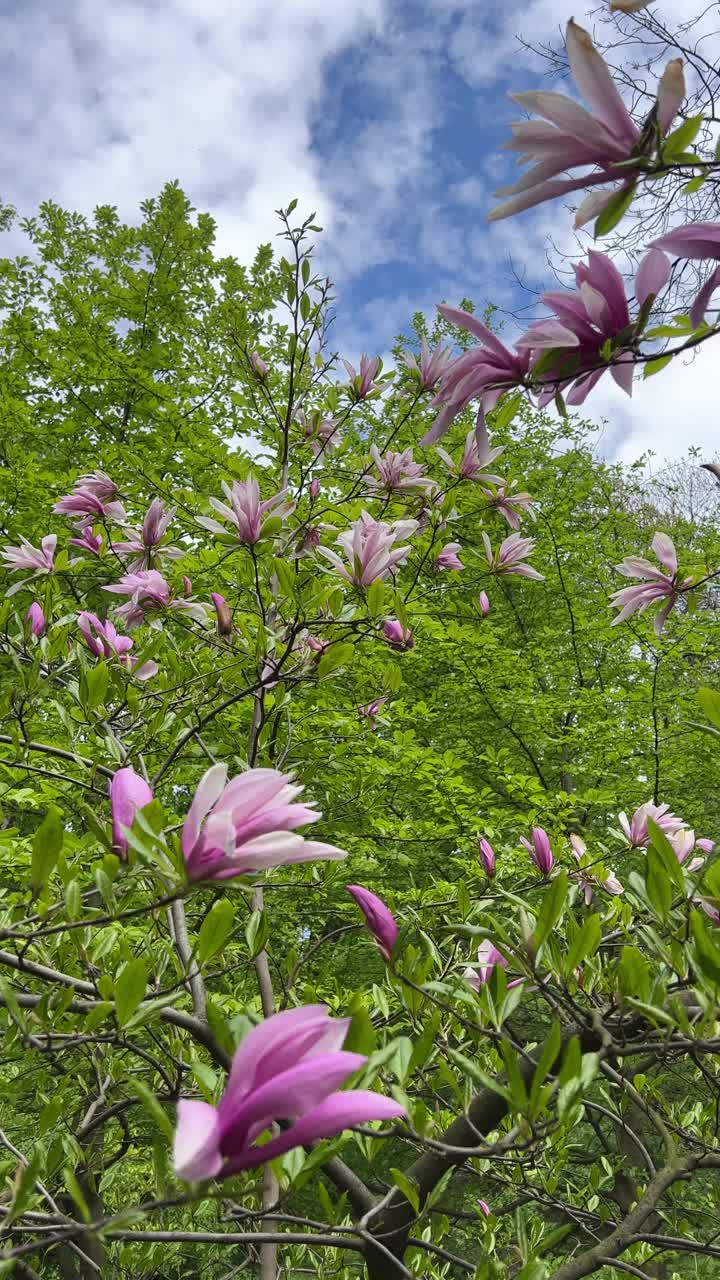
<point x="104" y="641"/>
<point x="398" y="473"/>
<point x="362" y="384"/>
<point x="656" y="586"/>
<point x="473" y="462"/>
<point x="509" y="559"/>
<point x="431" y="365"/>
<point x="144" y="544"/>
<point x="290" y="1067"/>
<point x="150" y="594"/>
<point x="602" y="137"/>
<point x="371" y="549"/>
<point x="26" y="556"/>
<point x="636" y="827"/>
<point x="248" y="515"/>
<point x="246" y="825"/>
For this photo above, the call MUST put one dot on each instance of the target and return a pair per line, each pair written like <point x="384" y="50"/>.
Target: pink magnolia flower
<point x="397" y="636"/>
<point x="144" y="543"/>
<point x="588" y="881"/>
<point x="222" y="611"/>
<point x="128" y="793"/>
<point x="539" y="849"/>
<point x="484" y="602"/>
<point x="569" y="349"/>
<point x="292" y="1064"/>
<point x="432" y="365"/>
<point x="371" y="549"/>
<point x="509" y="559"/>
<point x="186" y="586"/>
<point x="247" y="825"/>
<point x="683" y="842"/>
<point x="150" y="593"/>
<point x="317" y="646"/>
<point x="473" y="461"/>
<point x="87" y="541"/>
<point x="258" y="365"/>
<point x="711" y="909"/>
<point x="509" y="505"/>
<point x="314" y="489"/>
<point x="484" y="1208"/>
<point x="448" y="558"/>
<point x="84" y="505"/>
<point x="372" y="710"/>
<point x="657" y="585"/>
<point x="246" y="512"/>
<point x="26" y="556"/>
<point x="636" y="828"/>
<point x="104" y="641"/>
<point x="397" y="472"/>
<point x="321" y="433"/>
<point x="362" y="384"/>
<point x="482" y="373"/>
<point x="696" y="240"/>
<point x="379" y="919"/>
<point x="99" y="483"/>
<point x="487" y="856"/>
<point x="488" y="957"/>
<point x="570" y="137"/>
<point x="705" y="845"/>
<point x="36" y="618"/>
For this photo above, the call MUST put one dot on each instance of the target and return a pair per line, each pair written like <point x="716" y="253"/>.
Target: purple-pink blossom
<point x="656" y="585"/>
<point x="540" y="850"/>
<point x="484" y="602"/>
<point x="591" y="329"/>
<point x="82" y="504"/>
<point x="87" y="541"/>
<point x="150" y="593"/>
<point x="36" y="618"/>
<point x="258" y="365"/>
<point x="635" y="828"/>
<point x="473" y="462"/>
<point x="144" y="543"/>
<point x="398" y="472"/>
<point x="371" y="549"/>
<point x="26" y="556"/>
<point x="104" y="641"/>
<point x="321" y="433"/>
<point x="128" y="793"/>
<point x="482" y="373"/>
<point x="246" y="512"/>
<point x="314" y="489"/>
<point x="362" y="383"/>
<point x="99" y="483"/>
<point x="484" y="1208"/>
<point x="588" y="881"/>
<point x="488" y="957"/>
<point x="487" y="856"/>
<point x="511" y="506"/>
<point x="431" y="365"/>
<point x="569" y="136"/>
<point x="371" y="711"/>
<point x="509" y="559"/>
<point x="378" y="917"/>
<point x="696" y="240"/>
<point x="398" y="636"/>
<point x="683" y="843"/>
<point x="247" y="825"/>
<point x="290" y="1065"/>
<point x="222" y="613"/>
<point x="448" y="558"/>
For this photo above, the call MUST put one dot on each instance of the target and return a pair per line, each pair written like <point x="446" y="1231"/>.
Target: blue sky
<point x="383" y="115"/>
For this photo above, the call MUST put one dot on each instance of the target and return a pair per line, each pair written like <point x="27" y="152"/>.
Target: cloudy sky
<point x="385" y="116"/>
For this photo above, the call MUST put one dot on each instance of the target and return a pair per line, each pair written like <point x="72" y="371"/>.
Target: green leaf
<point x="546" y="1062"/>
<point x="709" y="700"/>
<point x="506" y="411"/>
<point x="681" y="138"/>
<point x="130" y="986"/>
<point x="338" y="655"/>
<point x="657" y="884"/>
<point x="470" y="1068"/>
<point x="151" y="1104"/>
<point x="75" y="1192"/>
<point x="707" y="952"/>
<point x="586" y="943"/>
<point x="655" y="366"/>
<point x="553" y="906"/>
<point x="47" y="843"/>
<point x="409" y="1189"/>
<point x="667" y="855"/>
<point x="257" y="932"/>
<point x="360" y="1036"/>
<point x="633" y="974"/>
<point x="215" y="929"/>
<point x="615" y="210"/>
<point x="25" y="1186"/>
<point x="375" y="596"/>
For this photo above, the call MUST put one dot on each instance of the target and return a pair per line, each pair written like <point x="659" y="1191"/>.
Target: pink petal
<point x="196" y="1150"/>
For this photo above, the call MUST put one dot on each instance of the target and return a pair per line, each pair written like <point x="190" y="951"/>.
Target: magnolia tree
<point x="524" y="1081"/>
